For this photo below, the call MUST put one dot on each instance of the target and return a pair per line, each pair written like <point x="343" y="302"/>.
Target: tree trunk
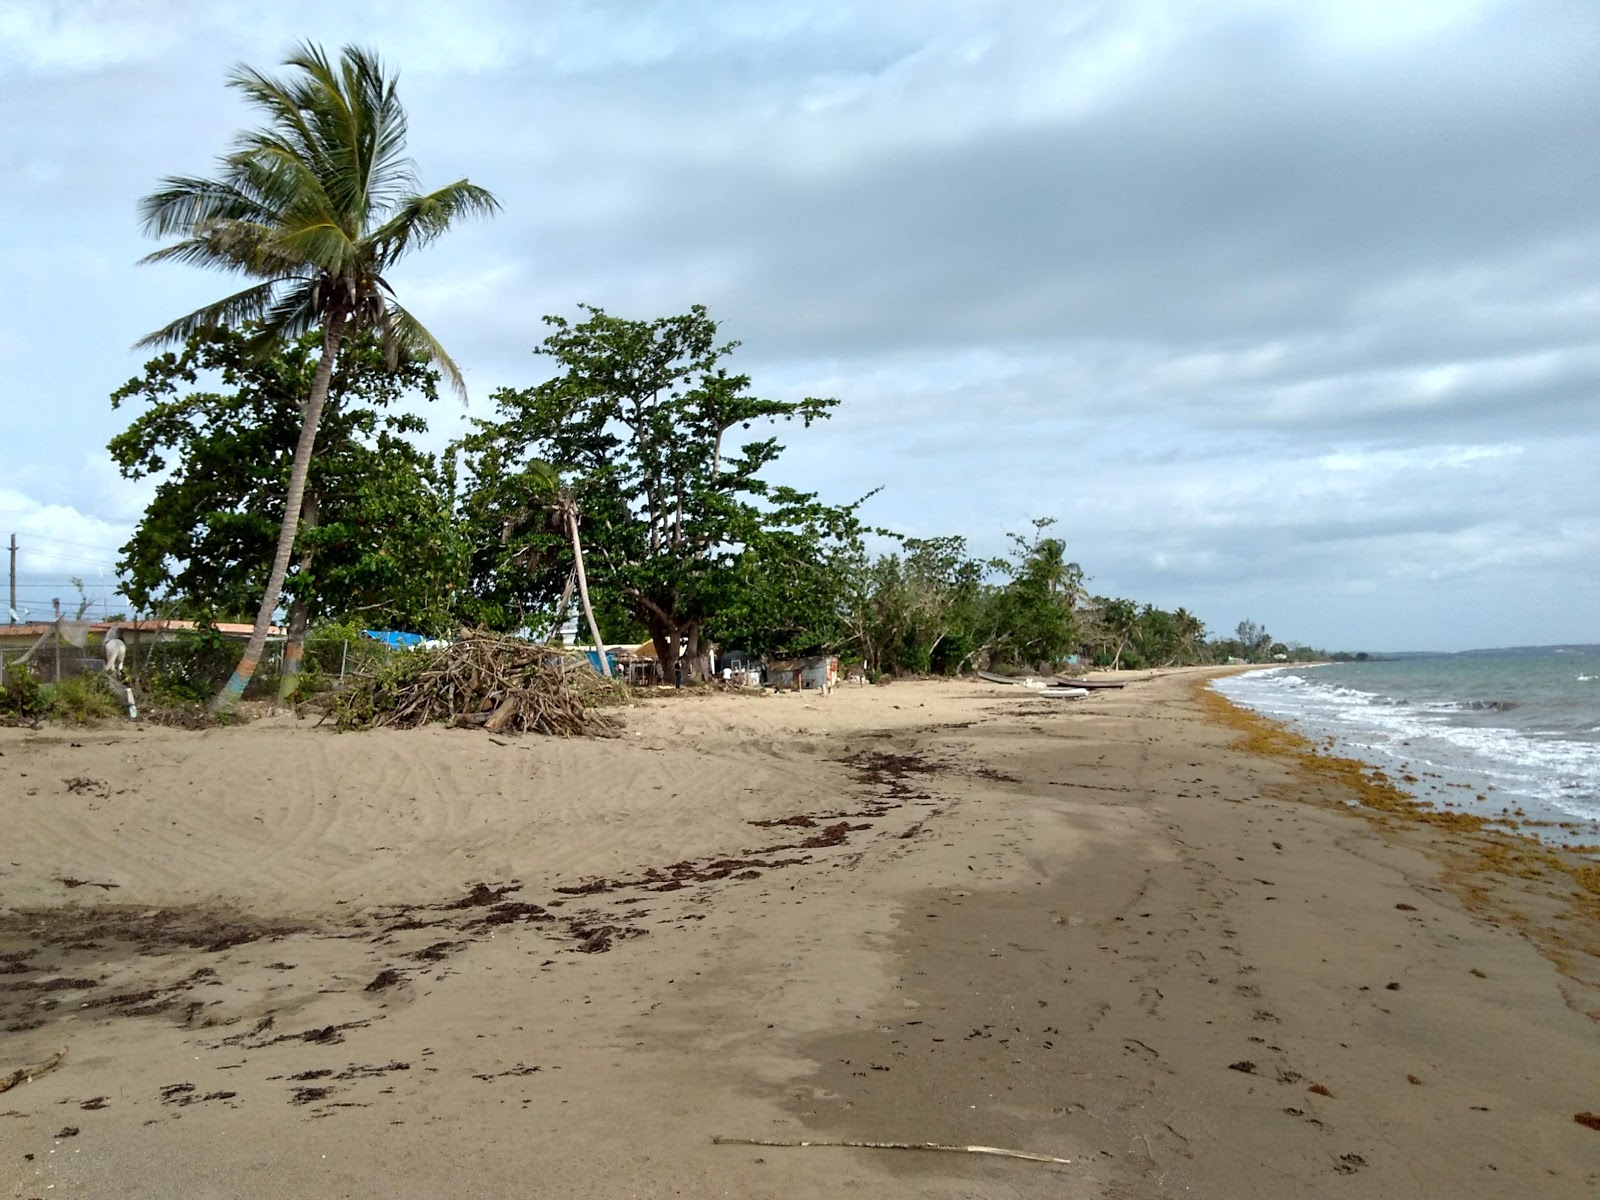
<point x="583" y="591"/>
<point x="665" y="640"/>
<point x="295" y="648"/>
<point x="332" y="335"/>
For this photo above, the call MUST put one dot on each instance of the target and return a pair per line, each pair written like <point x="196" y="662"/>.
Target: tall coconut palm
<point x="314" y="208"/>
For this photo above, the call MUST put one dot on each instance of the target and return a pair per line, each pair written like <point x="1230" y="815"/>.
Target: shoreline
<point x="1064" y="929"/>
<point x="1549" y="823"/>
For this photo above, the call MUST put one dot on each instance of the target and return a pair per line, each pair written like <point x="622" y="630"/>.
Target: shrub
<point x="192" y="666"/>
<point x="82" y="699"/>
<point x="336" y="647"/>
<point x="21" y="696"/>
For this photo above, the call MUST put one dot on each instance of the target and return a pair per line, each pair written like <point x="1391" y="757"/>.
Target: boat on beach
<point x="1055" y="689"/>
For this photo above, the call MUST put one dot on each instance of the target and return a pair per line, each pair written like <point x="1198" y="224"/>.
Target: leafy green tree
<point x="1036" y="612"/>
<point x="920" y="610"/>
<point x="1115" y="622"/>
<point x="1191" y="632"/>
<point x="314" y="208"/>
<point x="218" y="425"/>
<point x="679" y="525"/>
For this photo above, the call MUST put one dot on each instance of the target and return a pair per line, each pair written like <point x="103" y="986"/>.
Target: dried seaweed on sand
<point x="487" y="680"/>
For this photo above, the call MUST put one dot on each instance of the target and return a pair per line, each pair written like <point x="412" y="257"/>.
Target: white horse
<point x="115" y="650"/>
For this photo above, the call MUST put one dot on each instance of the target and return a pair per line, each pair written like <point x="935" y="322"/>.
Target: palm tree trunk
<point x="294" y="649"/>
<point x="332" y="334"/>
<point x="583" y="591"/>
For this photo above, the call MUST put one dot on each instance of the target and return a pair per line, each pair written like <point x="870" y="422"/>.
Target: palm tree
<point x="314" y="208"/>
<point x="562" y="506"/>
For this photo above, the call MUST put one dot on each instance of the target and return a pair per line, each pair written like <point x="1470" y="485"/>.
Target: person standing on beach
<point x="677" y="674"/>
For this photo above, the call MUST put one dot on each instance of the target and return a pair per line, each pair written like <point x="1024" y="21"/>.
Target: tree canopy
<point x="643" y="421"/>
<point x="218" y="427"/>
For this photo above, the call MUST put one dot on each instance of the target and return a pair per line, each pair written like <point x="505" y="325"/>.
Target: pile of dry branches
<point x="502" y="684"/>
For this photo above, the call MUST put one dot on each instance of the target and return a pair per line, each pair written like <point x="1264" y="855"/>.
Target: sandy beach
<point x="1128" y="931"/>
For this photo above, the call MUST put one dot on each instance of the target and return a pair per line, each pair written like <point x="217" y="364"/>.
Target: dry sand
<point x="1094" y="930"/>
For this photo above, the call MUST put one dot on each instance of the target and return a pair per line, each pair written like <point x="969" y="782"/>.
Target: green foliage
<point x="190" y="667"/>
<point x="921" y="610"/>
<point x="82" y="699"/>
<point x="677" y="525"/>
<point x="315" y="206"/>
<point x="21" y="696"/>
<point x="360" y="707"/>
<point x="1035" y="614"/>
<point x="340" y="646"/>
<point x="219" y="427"/>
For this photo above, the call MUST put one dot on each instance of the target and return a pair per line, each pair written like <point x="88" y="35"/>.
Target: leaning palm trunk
<point x="583" y="591"/>
<point x="294" y="649"/>
<point x="332" y="334"/>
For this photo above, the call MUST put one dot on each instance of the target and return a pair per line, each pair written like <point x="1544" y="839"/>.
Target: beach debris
<point x="482" y="680"/>
<point x="385" y="978"/>
<point x="1320" y="1090"/>
<point x="1592" y="1120"/>
<point x="24" y="1074"/>
<point x="997" y="1151"/>
<point x="1244" y="1065"/>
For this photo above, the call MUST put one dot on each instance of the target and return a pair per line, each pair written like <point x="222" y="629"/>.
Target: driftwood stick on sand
<point x="22" y="1074"/>
<point x="994" y="1150"/>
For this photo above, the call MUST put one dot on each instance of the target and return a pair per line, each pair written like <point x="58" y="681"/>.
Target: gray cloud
<point x="1287" y="311"/>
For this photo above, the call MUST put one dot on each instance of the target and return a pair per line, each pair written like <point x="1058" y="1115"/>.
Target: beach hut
<point x="814" y="673"/>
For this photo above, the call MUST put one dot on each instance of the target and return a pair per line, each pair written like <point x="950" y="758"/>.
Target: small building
<point x="814" y="673"/>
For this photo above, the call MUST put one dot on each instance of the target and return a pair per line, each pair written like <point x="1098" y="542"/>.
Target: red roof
<point x="36" y="629"/>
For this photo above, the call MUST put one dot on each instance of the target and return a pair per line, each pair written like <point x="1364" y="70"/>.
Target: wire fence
<point x="189" y="659"/>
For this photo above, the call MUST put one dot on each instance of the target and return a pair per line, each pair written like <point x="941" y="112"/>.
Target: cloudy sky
<point x="1287" y="309"/>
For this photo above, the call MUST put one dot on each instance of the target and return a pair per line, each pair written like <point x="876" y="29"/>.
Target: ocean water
<point x="1485" y="732"/>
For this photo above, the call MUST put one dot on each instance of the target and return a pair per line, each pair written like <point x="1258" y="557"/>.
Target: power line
<point x="96" y="563"/>
<point x="39" y="537"/>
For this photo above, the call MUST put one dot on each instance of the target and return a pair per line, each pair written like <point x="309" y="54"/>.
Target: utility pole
<point x="12" y="615"/>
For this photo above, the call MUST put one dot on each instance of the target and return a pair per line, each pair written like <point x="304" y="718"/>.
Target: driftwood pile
<point x="484" y="680"/>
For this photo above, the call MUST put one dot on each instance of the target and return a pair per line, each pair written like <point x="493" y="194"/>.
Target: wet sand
<point x="436" y="963"/>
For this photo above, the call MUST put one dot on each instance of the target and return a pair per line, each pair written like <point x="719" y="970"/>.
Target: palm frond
<point x="183" y="203"/>
<point x="411" y="336"/>
<point x="280" y="101"/>
<point x="420" y="219"/>
<point x="296" y="311"/>
<point x="238" y="247"/>
<point x="237" y="309"/>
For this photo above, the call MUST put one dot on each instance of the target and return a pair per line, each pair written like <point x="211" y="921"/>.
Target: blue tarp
<point x="389" y="637"/>
<point x="594" y="660"/>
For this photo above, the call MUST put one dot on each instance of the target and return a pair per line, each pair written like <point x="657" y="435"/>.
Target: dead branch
<point x="23" y="1074"/>
<point x="482" y="680"/>
<point x="992" y="1150"/>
